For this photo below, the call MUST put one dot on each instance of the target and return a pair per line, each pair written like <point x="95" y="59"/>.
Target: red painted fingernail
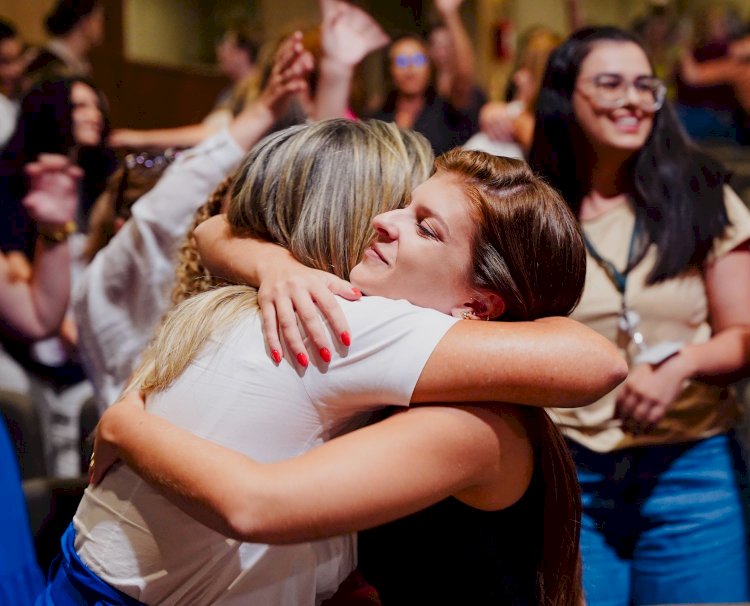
<point x="357" y="292"/>
<point x="325" y="353"/>
<point x="346" y="339"/>
<point x="302" y="359"/>
<point x="276" y="356"/>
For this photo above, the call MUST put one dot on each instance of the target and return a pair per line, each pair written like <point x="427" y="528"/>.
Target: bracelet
<point x="59" y="234"/>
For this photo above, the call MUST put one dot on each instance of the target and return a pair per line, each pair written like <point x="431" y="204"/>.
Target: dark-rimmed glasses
<point x="611" y="91"/>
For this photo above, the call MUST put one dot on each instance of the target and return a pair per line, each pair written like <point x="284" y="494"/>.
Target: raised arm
<point x="348" y="36"/>
<point x="35" y="309"/>
<point x="463" y="63"/>
<point x="371" y="476"/>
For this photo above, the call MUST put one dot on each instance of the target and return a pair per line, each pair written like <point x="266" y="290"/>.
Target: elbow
<point x="604" y="372"/>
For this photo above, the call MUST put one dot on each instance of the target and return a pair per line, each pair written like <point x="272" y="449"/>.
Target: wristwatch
<point x="60" y="233"/>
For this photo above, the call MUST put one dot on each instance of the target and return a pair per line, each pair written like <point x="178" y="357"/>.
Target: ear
<point x="484" y="305"/>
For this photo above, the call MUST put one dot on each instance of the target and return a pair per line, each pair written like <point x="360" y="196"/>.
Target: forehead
<point x="444" y="194"/>
<point x="624" y="57"/>
<point x="10" y="47"/>
<point x="82" y="93"/>
<point x="407" y="46"/>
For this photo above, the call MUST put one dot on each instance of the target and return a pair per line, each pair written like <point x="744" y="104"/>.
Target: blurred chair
<point x="51" y="504"/>
<point x="25" y="431"/>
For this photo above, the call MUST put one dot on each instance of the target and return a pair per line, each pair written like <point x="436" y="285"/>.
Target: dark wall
<point x="149" y="96"/>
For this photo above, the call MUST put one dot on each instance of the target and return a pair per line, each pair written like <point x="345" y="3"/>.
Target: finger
<point x="290" y="333"/>
<point x="271" y="330"/>
<point x="656" y="414"/>
<point x="626" y="402"/>
<point x="334" y="315"/>
<point x="309" y="316"/>
<point x="343" y="288"/>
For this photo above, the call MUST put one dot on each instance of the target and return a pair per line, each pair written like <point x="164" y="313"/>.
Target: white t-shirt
<point x="233" y="394"/>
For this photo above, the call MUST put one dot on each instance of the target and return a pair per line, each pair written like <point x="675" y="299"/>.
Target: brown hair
<point x="529" y="249"/>
<point x="528" y="246"/>
<point x="136" y="176"/>
<point x="192" y="277"/>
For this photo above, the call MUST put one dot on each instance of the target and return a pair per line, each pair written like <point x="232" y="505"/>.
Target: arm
<point x="550" y="362"/>
<point x="371" y="476"/>
<point x="708" y="73"/>
<point x="36" y="308"/>
<point x="463" y="63"/>
<point x="348" y="36"/>
<point x="651" y="389"/>
<point x="162" y="138"/>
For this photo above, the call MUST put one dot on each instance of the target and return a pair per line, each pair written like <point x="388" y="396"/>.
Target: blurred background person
<point x="707" y="103"/>
<point x="76" y="27"/>
<point x="11" y="71"/>
<point x="507" y="127"/>
<point x="413" y="100"/>
<point x="236" y="57"/>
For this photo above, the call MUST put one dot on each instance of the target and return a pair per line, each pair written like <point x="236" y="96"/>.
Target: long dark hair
<point x="677" y="191"/>
<point x="45" y="125"/>
<point x="529" y="249"/>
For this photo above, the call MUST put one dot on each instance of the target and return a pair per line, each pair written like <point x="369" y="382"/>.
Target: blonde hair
<point x="192" y="277"/>
<point x="304" y="198"/>
<point x="313" y="189"/>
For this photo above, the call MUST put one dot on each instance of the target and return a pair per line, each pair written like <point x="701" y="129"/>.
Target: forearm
<point x="550" y="362"/>
<point x="463" y="66"/>
<point x="722" y="359"/>
<point x="163" y="138"/>
<point x="50" y="283"/>
<point x="251" y="124"/>
<point x="239" y="260"/>
<point x="332" y="99"/>
<point x="370" y="476"/>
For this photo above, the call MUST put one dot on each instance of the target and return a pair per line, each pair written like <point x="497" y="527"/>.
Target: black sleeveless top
<point x="452" y="553"/>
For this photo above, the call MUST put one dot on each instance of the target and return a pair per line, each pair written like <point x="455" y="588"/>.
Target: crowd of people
<point x="444" y="350"/>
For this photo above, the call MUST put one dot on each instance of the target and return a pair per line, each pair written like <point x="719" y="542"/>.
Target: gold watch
<point x="59" y="233"/>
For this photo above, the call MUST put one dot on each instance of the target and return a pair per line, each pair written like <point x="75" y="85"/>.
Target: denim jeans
<point x="663" y="524"/>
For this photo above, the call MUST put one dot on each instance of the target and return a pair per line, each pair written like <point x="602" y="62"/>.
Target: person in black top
<point x="448" y="115"/>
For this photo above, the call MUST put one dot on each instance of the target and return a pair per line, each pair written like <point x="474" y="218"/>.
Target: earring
<point x="466" y="315"/>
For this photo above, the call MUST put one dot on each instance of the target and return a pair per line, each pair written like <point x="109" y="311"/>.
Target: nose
<point x="631" y="94"/>
<point x="385" y="226"/>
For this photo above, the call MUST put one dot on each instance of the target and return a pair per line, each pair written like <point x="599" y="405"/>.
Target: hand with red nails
<point x="291" y="295"/>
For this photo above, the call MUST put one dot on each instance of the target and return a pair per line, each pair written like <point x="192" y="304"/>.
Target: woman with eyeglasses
<point x="413" y="101"/>
<point x="668" y="280"/>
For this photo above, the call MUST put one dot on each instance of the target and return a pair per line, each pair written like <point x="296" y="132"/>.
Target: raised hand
<point x="349" y="33"/>
<point x="52" y="199"/>
<point x="291" y="67"/>
<point x="448" y="6"/>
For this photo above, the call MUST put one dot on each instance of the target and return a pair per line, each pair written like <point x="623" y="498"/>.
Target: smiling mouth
<point x="374" y="252"/>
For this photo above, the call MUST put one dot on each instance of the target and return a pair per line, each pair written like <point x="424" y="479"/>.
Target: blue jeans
<point x="663" y="525"/>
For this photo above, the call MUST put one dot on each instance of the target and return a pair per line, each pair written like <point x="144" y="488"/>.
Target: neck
<point x="76" y="43"/>
<point x="609" y="185"/>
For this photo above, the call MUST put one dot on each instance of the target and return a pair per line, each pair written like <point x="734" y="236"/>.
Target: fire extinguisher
<point x="504" y="39"/>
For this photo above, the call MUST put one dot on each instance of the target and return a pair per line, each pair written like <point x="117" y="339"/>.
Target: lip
<point x="373" y="251"/>
<point x="627" y="124"/>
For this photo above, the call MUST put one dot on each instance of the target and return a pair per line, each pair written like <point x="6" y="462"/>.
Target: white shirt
<point x="8" y="117"/>
<point x="125" y="291"/>
<point x="232" y="394"/>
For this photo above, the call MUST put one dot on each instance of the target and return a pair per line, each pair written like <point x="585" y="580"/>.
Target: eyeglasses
<point x="611" y="91"/>
<point x="417" y="60"/>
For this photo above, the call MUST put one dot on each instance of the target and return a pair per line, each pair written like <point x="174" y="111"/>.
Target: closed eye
<point x="425" y="231"/>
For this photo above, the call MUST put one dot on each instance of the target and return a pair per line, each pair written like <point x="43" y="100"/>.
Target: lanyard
<point x="619" y="278"/>
<point x="629" y="319"/>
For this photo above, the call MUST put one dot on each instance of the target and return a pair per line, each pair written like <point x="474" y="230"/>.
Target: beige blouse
<point x="673" y="310"/>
